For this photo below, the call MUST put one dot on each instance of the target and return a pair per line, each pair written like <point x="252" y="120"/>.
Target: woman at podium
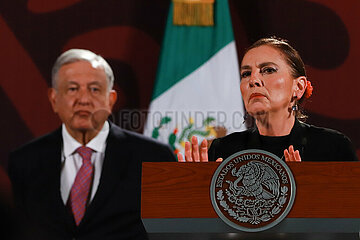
<point x="274" y="86"/>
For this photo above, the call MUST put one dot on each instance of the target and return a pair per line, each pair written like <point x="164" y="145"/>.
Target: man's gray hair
<point x="75" y="55"/>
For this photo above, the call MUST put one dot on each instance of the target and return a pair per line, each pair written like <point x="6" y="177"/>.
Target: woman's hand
<point x="291" y="155"/>
<point x="195" y="154"/>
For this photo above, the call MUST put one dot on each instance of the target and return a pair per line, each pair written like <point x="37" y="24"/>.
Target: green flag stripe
<point x="187" y="48"/>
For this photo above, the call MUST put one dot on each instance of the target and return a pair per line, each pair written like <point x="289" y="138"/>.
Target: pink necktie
<point x="80" y="190"/>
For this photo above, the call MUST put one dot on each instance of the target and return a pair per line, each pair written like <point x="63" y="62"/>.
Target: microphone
<point x="303" y="144"/>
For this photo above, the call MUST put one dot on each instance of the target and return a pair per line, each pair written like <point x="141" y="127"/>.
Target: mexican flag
<point x="197" y="89"/>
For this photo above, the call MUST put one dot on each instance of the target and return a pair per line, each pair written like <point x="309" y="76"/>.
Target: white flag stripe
<point x="212" y="88"/>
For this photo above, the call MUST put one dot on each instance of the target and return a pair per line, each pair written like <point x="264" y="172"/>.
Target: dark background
<point x="129" y="34"/>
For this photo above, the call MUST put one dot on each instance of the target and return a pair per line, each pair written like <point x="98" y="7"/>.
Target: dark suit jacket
<point x="313" y="143"/>
<point x="114" y="212"/>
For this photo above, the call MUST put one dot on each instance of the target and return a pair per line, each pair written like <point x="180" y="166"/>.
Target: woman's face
<point x="266" y="82"/>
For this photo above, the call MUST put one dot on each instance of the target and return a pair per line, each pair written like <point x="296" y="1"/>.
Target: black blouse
<point x="313" y="143"/>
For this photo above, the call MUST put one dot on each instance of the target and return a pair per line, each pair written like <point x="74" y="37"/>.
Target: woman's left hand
<point x="291" y="155"/>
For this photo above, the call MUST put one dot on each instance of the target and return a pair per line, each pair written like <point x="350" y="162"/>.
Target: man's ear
<point x="300" y="86"/>
<point x="112" y="98"/>
<point x="52" y="98"/>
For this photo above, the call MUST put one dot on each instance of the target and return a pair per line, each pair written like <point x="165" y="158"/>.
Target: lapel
<point x="50" y="160"/>
<point x="113" y="168"/>
<point x="298" y="137"/>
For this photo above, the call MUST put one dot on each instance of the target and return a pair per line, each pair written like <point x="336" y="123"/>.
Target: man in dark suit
<point x="83" y="180"/>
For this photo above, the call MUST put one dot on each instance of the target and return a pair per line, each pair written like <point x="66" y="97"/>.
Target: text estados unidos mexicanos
<point x="245" y="157"/>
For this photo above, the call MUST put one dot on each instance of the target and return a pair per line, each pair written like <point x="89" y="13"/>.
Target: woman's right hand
<point x="194" y="153"/>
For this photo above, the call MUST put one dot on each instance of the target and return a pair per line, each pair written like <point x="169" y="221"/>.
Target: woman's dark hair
<point x="292" y="58"/>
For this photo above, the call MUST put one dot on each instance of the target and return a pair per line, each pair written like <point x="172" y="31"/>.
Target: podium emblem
<point x="252" y="190"/>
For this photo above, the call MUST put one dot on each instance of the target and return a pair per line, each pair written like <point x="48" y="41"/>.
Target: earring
<point x="294" y="108"/>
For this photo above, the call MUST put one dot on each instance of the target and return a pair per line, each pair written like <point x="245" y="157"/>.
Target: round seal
<point x="252" y="190"/>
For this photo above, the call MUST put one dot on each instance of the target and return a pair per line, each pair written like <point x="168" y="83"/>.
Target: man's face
<point x="82" y="99"/>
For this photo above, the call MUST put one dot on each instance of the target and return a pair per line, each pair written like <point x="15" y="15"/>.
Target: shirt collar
<point x="97" y="144"/>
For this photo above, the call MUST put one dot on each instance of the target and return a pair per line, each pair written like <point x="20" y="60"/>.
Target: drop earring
<point x="294" y="108"/>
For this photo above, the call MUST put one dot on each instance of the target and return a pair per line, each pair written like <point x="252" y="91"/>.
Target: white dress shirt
<point x="72" y="161"/>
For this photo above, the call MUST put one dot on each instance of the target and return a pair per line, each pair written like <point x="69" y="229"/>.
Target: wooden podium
<point x="176" y="202"/>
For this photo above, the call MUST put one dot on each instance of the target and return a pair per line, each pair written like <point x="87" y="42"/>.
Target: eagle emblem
<point x="257" y="180"/>
<point x="252" y="190"/>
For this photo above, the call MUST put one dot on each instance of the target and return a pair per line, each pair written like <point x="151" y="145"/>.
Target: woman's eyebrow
<point x="264" y="64"/>
<point x="246" y="67"/>
<point x="260" y="65"/>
